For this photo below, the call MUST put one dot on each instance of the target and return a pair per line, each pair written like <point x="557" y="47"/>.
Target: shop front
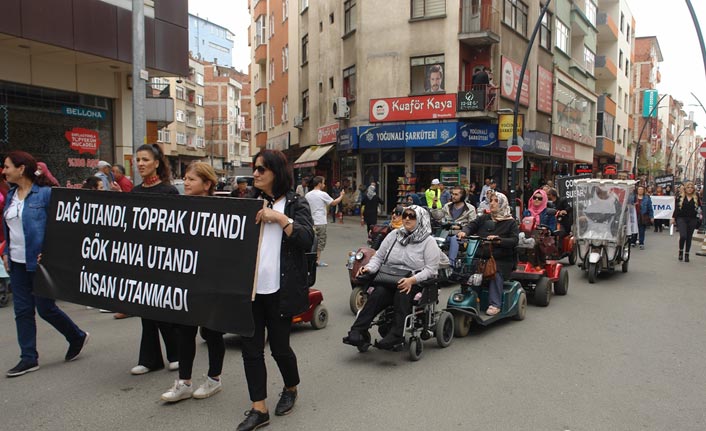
<point x="538" y="164"/>
<point x="563" y="154"/>
<point x="70" y="132"/>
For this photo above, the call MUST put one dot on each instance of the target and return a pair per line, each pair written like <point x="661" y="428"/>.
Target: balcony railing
<point x="480" y="97"/>
<point x="157" y="91"/>
<point x="480" y="23"/>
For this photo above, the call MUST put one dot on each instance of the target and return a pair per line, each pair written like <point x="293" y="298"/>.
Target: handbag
<point x="646" y="220"/>
<point x="388" y="275"/>
<point x="488" y="268"/>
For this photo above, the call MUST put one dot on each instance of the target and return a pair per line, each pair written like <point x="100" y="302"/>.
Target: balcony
<point x="605" y="69"/>
<point x="261" y="95"/>
<point x="480" y="23"/>
<point x="261" y="54"/>
<point x="477" y="101"/>
<point x="607" y="29"/>
<point x="580" y="25"/>
<point x="159" y="105"/>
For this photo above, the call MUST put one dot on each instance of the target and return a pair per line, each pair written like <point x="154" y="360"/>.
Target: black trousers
<point x="150" y="348"/>
<point x="266" y="314"/>
<point x="187" y="350"/>
<point x="381" y="298"/>
<point x="686" y="226"/>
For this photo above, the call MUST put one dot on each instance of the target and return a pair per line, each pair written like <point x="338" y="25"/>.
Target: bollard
<point x="700" y="235"/>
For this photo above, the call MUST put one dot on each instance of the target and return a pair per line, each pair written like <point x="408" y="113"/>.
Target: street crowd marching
<point x="293" y="225"/>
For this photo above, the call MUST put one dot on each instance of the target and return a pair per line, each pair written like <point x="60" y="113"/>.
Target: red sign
<point x="563" y="148"/>
<point x="327" y="134"/>
<point x="545" y="82"/>
<point x="514" y="153"/>
<point x="413" y="108"/>
<point x="610" y="170"/>
<point x="509" y="80"/>
<point x="83" y="140"/>
<point x="702" y="149"/>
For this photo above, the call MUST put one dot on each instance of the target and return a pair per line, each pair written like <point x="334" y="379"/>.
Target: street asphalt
<point x="626" y="353"/>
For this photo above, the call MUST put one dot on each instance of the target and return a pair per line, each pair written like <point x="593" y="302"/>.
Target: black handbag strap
<point x="388" y="252"/>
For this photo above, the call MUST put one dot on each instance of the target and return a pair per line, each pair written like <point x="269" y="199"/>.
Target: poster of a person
<point x="435" y="78"/>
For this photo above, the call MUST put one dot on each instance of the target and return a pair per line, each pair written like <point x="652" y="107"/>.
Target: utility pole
<point x="139" y="76"/>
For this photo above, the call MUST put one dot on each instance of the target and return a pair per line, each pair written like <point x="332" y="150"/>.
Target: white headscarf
<point x="371" y="192"/>
<point x="503" y="212"/>
<point x="421" y="231"/>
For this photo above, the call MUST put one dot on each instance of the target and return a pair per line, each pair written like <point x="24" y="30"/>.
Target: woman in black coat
<point x="370" y="203"/>
<point x="282" y="286"/>
<point x="500" y="226"/>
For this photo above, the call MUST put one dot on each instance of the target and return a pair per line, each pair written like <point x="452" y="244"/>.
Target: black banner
<point x="566" y="189"/>
<point x="583" y="168"/>
<point x="664" y="181"/>
<point x="181" y="259"/>
<point x="473" y="100"/>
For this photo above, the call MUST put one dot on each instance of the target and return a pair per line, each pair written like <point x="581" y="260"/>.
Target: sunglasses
<point x="411" y="216"/>
<point x="537" y="198"/>
<point x="260" y="169"/>
<point x="494" y="200"/>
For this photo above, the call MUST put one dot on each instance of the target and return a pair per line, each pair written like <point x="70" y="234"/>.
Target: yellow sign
<point x="505" y="126"/>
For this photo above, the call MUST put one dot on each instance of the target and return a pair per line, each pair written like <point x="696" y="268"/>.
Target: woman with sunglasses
<point x="282" y="287"/>
<point x="686" y="217"/>
<point x="409" y="248"/>
<point x="199" y="180"/>
<point x="537" y="209"/>
<point x="25" y="218"/>
<point x="500" y="227"/>
<point x="154" y="170"/>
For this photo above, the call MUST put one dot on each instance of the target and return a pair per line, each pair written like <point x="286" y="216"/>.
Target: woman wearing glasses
<point x="156" y="178"/>
<point x="25" y="217"/>
<point x="686" y="217"/>
<point x="409" y="248"/>
<point x="500" y="227"/>
<point x="537" y="208"/>
<point x="282" y="287"/>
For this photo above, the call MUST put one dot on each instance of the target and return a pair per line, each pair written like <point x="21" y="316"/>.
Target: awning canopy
<point x="311" y="156"/>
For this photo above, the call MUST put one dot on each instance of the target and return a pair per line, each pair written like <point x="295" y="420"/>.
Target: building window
<point x="515" y="15"/>
<point x="305" y="5"/>
<point x="589" y="60"/>
<point x="272" y="24"/>
<point x="180" y="117"/>
<point x="545" y="31"/>
<point x="163" y="135"/>
<point x="305" y="49"/>
<point x="272" y="116"/>
<point x="285" y="58"/>
<point x="272" y="70"/>
<point x="199" y="79"/>
<point x="591" y="12"/>
<point x="562" y="37"/>
<point x="260" y="118"/>
<point x="285" y="109"/>
<point x="260" y="29"/>
<point x="627" y="67"/>
<point x="200" y="142"/>
<point x="285" y="10"/>
<point x="199" y="121"/>
<point x="180" y="93"/>
<point x="181" y="138"/>
<point x="428" y="8"/>
<point x="627" y="34"/>
<point x="199" y="99"/>
<point x="231" y="93"/>
<point x="427" y="74"/>
<point x="620" y="59"/>
<point x="305" y="104"/>
<point x="348" y="16"/>
<point x="622" y="21"/>
<point x="349" y="83"/>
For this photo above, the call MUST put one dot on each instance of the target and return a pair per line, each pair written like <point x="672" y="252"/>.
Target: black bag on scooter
<point x="389" y="276"/>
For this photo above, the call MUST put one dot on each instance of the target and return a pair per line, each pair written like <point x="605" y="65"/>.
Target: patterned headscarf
<point x="503" y="212"/>
<point x="421" y="231"/>
<point x="535" y="210"/>
<point x="370" y="193"/>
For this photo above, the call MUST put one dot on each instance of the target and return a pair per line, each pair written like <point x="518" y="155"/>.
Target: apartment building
<point x="66" y="78"/>
<point x="209" y="41"/>
<point x="646" y="76"/>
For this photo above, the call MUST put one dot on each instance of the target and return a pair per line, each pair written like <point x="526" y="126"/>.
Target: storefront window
<point x="393" y="157"/>
<point x="70" y="132"/>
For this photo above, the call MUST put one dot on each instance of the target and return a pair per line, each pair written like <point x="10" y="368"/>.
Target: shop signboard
<point x="583" y="168"/>
<point x="505" y="122"/>
<point x="649" y="100"/>
<point x="481" y="135"/>
<point x="347" y="139"/>
<point x="279" y="142"/>
<point x="610" y="169"/>
<point x="510" y="78"/>
<point x="537" y="143"/>
<point x="83" y="140"/>
<point x="410" y="136"/>
<point x="430" y="107"/>
<point x="473" y="100"/>
<point x="563" y="148"/>
<point x="79" y="111"/>
<point x="326" y="134"/>
<point x="545" y="83"/>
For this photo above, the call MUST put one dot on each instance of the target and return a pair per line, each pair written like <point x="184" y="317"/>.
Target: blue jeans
<point x="495" y="291"/>
<point x="453" y="249"/>
<point x="641" y="233"/>
<point x="24" y="301"/>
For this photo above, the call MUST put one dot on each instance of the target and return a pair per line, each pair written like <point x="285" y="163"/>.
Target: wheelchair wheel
<point x="521" y="307"/>
<point x="415" y="349"/>
<point x="462" y="325"/>
<point x="561" y="287"/>
<point x="542" y="292"/>
<point x="357" y="299"/>
<point x="444" y="329"/>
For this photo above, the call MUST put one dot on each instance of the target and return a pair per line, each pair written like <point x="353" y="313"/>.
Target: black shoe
<point x="354" y="338"/>
<point x="681" y="254"/>
<point x="389" y="342"/>
<point x="254" y="420"/>
<point x="686" y="257"/>
<point x="76" y="347"/>
<point x="285" y="405"/>
<point x="22" y="368"/>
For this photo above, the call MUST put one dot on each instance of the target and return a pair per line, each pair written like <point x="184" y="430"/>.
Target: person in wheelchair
<point x="537" y="208"/>
<point x="459" y="213"/>
<point x="410" y="249"/>
<point x="564" y="213"/>
<point x="500" y="227"/>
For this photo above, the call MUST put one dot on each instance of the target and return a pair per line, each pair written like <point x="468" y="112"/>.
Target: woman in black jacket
<point x="686" y="217"/>
<point x="500" y="226"/>
<point x="282" y="288"/>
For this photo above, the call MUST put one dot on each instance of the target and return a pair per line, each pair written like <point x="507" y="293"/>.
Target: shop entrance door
<point x="392" y="172"/>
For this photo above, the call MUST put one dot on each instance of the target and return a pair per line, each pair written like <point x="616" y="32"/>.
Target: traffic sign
<point x="702" y="149"/>
<point x="514" y="153"/>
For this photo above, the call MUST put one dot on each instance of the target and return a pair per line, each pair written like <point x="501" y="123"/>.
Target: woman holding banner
<point x="156" y="178"/>
<point x="686" y="217"/>
<point x="199" y="180"/>
<point x="25" y="217"/>
<point x="282" y="287"/>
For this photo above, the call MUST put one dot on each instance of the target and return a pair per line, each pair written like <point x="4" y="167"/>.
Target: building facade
<point x="210" y="42"/>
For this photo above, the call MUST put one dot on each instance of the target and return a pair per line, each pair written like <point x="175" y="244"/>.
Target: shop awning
<point x="311" y="156"/>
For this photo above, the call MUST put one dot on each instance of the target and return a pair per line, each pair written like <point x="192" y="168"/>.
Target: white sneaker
<point x="173" y="366"/>
<point x="209" y="388"/>
<point x="180" y="391"/>
<point x="139" y="370"/>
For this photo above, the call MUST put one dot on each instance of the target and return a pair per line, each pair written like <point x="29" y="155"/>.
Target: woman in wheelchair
<point x="500" y="227"/>
<point x="410" y="251"/>
<point x="537" y="208"/>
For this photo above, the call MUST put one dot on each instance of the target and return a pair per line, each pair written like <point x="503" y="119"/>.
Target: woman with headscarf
<point x="499" y="227"/>
<point x="369" y="207"/>
<point x="537" y="208"/>
<point x="409" y="248"/>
